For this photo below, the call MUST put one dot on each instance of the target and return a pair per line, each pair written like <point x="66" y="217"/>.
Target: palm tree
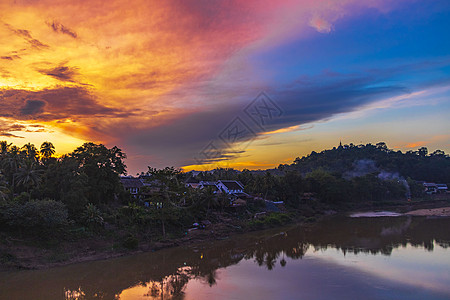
<point x="27" y="175"/>
<point x="209" y="198"/>
<point x="30" y="151"/>
<point x="3" y="188"/>
<point x="4" y="147"/>
<point x="10" y="164"/>
<point x="47" y="150"/>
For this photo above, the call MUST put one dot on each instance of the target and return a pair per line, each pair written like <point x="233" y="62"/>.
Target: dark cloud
<point x="22" y="32"/>
<point x="60" y="28"/>
<point x="303" y="101"/>
<point x="10" y="57"/>
<point x="63" y="73"/>
<point x="52" y="104"/>
<point x="26" y="34"/>
<point x="7" y="127"/>
<point x="33" y="107"/>
<point x="37" y="44"/>
<point x="10" y="135"/>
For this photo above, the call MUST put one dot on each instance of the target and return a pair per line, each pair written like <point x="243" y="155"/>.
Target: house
<point x="135" y="185"/>
<point x="230" y="186"/>
<point x="441" y="188"/>
<point x="430" y="188"/>
<point x="132" y="184"/>
<point x="192" y="183"/>
<point x="210" y="184"/>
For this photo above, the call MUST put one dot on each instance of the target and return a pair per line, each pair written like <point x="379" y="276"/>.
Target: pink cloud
<point x="320" y="24"/>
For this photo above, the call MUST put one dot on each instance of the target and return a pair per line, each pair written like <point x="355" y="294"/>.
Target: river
<point x="393" y="257"/>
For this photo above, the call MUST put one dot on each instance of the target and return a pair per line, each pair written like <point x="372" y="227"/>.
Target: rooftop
<point x="232" y="184"/>
<point x="131" y="182"/>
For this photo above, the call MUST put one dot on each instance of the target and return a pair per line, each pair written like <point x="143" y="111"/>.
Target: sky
<point x="198" y="84"/>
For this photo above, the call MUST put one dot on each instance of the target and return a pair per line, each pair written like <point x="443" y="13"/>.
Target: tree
<point x="47" y="150"/>
<point x="64" y="182"/>
<point x="423" y="151"/>
<point x="170" y="193"/>
<point x="9" y="164"/>
<point x="4" y="148"/>
<point x="382" y="146"/>
<point x="35" y="215"/>
<point x="4" y="191"/>
<point x="90" y="154"/>
<point x="30" y="151"/>
<point x="208" y="198"/>
<point x="102" y="167"/>
<point x="92" y="216"/>
<point x="328" y="187"/>
<point x="27" y="175"/>
<point x="438" y="153"/>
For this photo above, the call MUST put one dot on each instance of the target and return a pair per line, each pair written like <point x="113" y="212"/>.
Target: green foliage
<point x="88" y="175"/>
<point x="22" y="198"/>
<point x="34" y="214"/>
<point x="92" y="217"/>
<point x="131" y="242"/>
<point x="171" y="194"/>
<point x="88" y="179"/>
<point x="102" y="166"/>
<point x="4" y="191"/>
<point x="29" y="151"/>
<point x="270" y="220"/>
<point x="64" y="182"/>
<point x="415" y="188"/>
<point x="47" y="150"/>
<point x="329" y="188"/>
<point x="27" y="174"/>
<point x="418" y="165"/>
<point x="133" y="214"/>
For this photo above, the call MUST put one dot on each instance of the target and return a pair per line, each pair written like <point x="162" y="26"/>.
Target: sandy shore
<point x="435" y="212"/>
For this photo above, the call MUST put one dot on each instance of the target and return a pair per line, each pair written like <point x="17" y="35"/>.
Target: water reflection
<point x="165" y="274"/>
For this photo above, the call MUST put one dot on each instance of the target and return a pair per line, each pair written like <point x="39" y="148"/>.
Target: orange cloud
<point x="442" y="138"/>
<point x="252" y="165"/>
<point x="100" y="70"/>
<point x="416" y="144"/>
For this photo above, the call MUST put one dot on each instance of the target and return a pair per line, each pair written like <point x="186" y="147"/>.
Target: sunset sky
<point x="244" y="84"/>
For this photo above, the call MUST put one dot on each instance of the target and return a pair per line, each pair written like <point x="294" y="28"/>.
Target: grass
<point x="270" y="220"/>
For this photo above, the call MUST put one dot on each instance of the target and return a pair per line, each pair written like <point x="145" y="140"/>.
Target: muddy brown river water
<point x="395" y="257"/>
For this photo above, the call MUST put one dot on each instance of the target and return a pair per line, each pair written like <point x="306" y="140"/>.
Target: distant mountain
<point x="357" y="160"/>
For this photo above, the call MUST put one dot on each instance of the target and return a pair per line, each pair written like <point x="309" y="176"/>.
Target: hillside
<point x="357" y="160"/>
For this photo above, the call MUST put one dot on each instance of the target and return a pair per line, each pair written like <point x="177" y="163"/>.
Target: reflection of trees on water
<point x="166" y="273"/>
<point x="382" y="235"/>
<point x="170" y="287"/>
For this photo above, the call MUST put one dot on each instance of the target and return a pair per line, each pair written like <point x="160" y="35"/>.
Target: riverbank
<point x="28" y="253"/>
<point x="31" y="253"/>
<point x="17" y="253"/>
<point x="433" y="212"/>
<point x="269" y="253"/>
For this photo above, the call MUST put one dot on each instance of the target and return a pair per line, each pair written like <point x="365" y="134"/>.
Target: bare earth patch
<point x="435" y="212"/>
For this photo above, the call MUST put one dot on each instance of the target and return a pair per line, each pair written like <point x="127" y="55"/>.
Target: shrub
<point x="272" y="220"/>
<point x="92" y="216"/>
<point x="35" y="214"/>
<point x="131" y="242"/>
<point x="22" y="198"/>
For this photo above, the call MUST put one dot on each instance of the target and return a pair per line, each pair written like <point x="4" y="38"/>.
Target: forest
<point x="81" y="193"/>
<point x="346" y="174"/>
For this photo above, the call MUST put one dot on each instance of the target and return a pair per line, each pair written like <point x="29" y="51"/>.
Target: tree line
<point x="38" y="190"/>
<point x="82" y="189"/>
<point x="344" y="175"/>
